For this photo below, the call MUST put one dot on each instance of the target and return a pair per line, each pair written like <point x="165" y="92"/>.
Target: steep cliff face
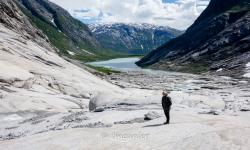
<point x="72" y="37"/>
<point x="218" y="39"/>
<point x="11" y="17"/>
<point x="61" y="19"/>
<point x="132" y="38"/>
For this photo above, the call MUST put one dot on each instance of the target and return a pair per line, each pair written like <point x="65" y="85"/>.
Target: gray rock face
<point x="132" y="38"/>
<point x="12" y="18"/>
<point x="92" y="106"/>
<point x="210" y="112"/>
<point x="151" y="115"/>
<point x="219" y="38"/>
<point x="99" y="109"/>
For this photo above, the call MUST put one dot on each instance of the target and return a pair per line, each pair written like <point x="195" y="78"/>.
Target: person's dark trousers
<point x="167" y="111"/>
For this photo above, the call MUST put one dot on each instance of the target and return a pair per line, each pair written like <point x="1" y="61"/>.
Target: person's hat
<point x="165" y="92"/>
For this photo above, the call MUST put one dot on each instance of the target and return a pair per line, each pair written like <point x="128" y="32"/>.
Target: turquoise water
<point x="121" y="64"/>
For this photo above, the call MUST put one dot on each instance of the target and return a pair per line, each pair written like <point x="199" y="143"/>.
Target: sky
<point x="179" y="14"/>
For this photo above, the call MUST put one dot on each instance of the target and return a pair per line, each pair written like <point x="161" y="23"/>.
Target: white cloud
<point x="179" y="14"/>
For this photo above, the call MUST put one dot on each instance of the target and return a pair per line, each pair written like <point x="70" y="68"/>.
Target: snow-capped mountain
<point x="132" y="38"/>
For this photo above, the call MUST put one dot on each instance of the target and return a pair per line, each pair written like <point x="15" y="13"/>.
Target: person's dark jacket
<point x="166" y="102"/>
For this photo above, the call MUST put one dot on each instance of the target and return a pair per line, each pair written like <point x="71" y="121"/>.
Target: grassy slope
<point x="103" y="69"/>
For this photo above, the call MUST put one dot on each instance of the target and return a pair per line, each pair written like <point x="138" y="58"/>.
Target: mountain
<point x="72" y="37"/>
<point x="132" y="38"/>
<point x="33" y="77"/>
<point x="47" y="102"/>
<point x="219" y="40"/>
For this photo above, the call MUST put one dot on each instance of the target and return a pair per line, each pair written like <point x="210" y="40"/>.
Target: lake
<point x="120" y="64"/>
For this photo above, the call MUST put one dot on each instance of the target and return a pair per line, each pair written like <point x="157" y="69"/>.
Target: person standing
<point x="166" y="105"/>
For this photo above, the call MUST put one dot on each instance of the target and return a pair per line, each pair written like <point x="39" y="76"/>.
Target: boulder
<point x="151" y="115"/>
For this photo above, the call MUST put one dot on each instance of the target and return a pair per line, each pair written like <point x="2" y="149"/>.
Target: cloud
<point x="175" y="13"/>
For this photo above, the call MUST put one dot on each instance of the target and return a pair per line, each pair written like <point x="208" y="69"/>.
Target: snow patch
<point x="153" y="36"/>
<point x="247" y="75"/>
<point x="105" y="27"/>
<point x="219" y="70"/>
<point x="53" y="22"/>
<point x="71" y="53"/>
<point x="248" y="65"/>
<point x="87" y="52"/>
<point x="142" y="47"/>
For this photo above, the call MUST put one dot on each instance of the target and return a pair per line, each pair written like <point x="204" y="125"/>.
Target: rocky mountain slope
<point x="32" y="74"/>
<point x="219" y="40"/>
<point x="132" y="38"/>
<point x="72" y="37"/>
